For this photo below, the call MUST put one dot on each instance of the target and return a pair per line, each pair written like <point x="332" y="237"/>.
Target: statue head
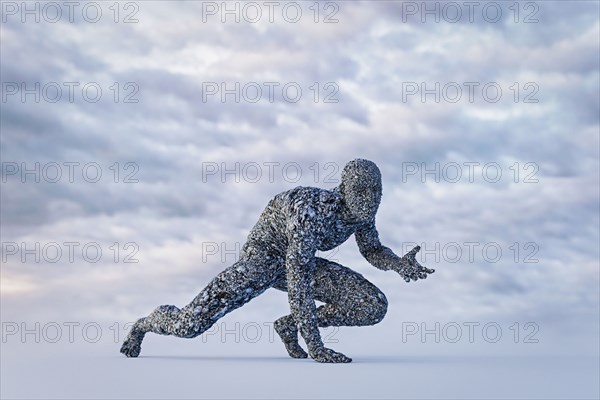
<point x="361" y="188"/>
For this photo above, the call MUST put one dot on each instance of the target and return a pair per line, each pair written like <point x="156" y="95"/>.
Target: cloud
<point x="171" y="135"/>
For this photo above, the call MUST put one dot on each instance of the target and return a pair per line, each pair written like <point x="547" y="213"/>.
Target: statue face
<point x="361" y="188"/>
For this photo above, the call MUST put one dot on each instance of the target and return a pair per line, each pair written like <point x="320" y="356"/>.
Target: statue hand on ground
<point x="325" y="355"/>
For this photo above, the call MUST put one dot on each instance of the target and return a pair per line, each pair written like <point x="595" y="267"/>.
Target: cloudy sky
<point x="156" y="132"/>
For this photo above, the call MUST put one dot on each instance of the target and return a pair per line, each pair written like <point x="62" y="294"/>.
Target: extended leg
<point x="229" y="290"/>
<point x="350" y="299"/>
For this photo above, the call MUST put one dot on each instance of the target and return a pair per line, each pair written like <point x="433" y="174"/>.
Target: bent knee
<point x="378" y="304"/>
<point x="370" y="308"/>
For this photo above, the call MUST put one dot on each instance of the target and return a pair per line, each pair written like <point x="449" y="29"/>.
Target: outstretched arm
<point x="300" y="266"/>
<point x="385" y="259"/>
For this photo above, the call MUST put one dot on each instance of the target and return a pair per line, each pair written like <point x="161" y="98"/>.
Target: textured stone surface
<point x="280" y="253"/>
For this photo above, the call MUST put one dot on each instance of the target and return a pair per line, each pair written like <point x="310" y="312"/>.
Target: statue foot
<point x="289" y="336"/>
<point x="295" y="351"/>
<point x="133" y="342"/>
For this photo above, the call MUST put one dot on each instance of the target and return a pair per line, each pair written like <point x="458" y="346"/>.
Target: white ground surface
<point x="171" y="368"/>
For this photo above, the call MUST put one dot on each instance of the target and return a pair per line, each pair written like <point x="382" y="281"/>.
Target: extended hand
<point x="410" y="267"/>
